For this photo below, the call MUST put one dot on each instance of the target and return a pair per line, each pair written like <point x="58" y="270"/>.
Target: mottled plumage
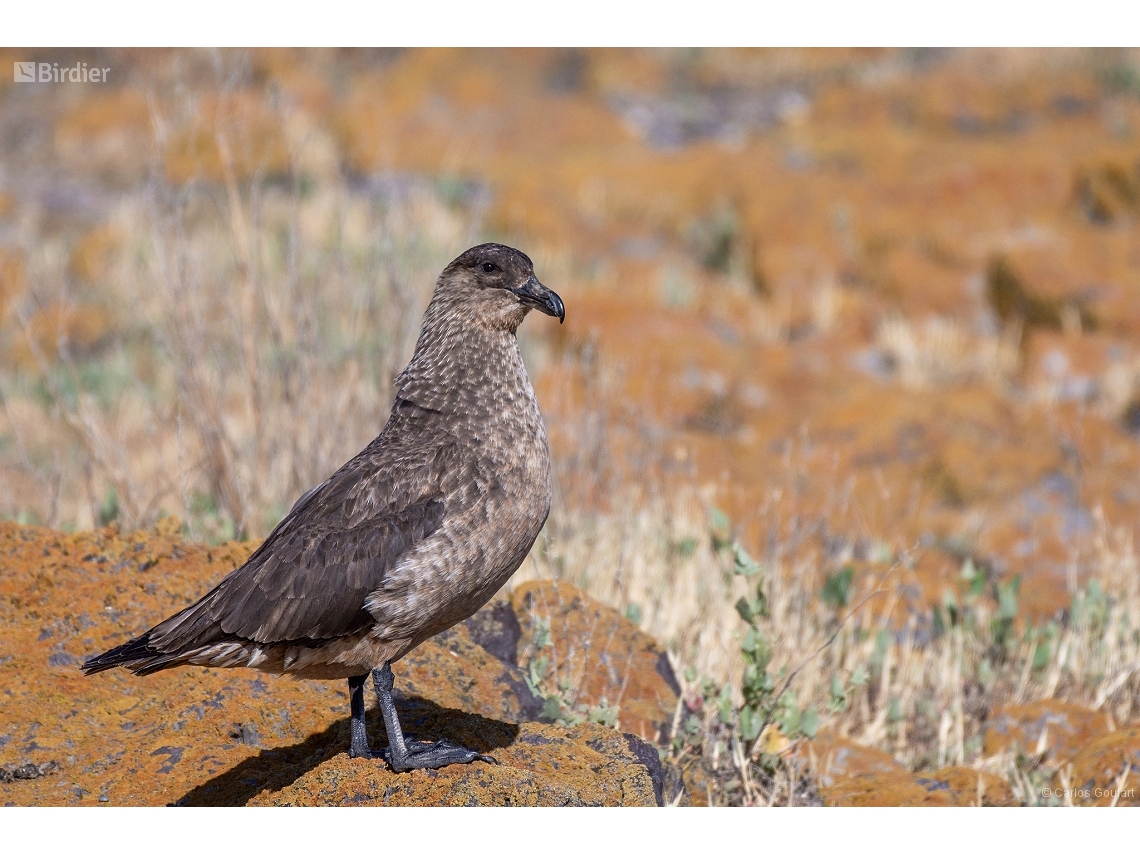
<point x="412" y="535"/>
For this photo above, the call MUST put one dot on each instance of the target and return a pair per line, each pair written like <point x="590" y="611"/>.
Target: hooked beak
<point x="536" y="295"/>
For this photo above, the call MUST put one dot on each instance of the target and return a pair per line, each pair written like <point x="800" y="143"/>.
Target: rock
<point x="1068" y="728"/>
<point x="1098" y="769"/>
<point x="888" y="789"/>
<point x="27" y="771"/>
<point x="691" y="783"/>
<point x="232" y="737"/>
<point x="953" y="786"/>
<point x="967" y="787"/>
<point x="854" y="775"/>
<point x="835" y="757"/>
<point x="456" y="672"/>
<point x="538" y="765"/>
<point x="600" y="654"/>
<point x="496" y="629"/>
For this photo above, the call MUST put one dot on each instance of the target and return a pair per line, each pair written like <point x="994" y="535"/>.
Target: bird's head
<point x="496" y="286"/>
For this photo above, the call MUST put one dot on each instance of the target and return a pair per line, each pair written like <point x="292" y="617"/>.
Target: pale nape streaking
<point x="411" y="536"/>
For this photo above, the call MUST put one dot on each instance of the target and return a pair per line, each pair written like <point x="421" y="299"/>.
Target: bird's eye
<point x="488" y="267"/>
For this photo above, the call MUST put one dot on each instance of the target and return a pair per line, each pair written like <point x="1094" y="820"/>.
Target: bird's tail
<point x="137" y="654"/>
<point x="172" y="642"/>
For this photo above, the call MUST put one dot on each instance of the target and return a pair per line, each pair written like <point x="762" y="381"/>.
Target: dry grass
<point x="942" y="351"/>
<point x="255" y="337"/>
<point x="916" y="690"/>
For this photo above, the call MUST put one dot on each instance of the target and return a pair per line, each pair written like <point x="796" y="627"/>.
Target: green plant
<point x="763" y="704"/>
<point x="1001" y="627"/>
<point x="683" y="548"/>
<point x="1043" y="650"/>
<point x="109" y="510"/>
<point x="1089" y="608"/>
<point x="837" y="588"/>
<point x="975" y="580"/>
<point x="720" y="530"/>
<point x="714" y="239"/>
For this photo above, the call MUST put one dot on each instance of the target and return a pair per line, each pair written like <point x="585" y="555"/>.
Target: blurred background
<point x="873" y="315"/>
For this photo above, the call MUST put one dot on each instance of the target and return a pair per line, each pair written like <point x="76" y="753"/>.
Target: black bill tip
<point x="536" y="295"/>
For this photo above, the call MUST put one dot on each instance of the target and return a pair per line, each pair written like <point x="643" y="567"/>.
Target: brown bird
<point x="411" y="536"/>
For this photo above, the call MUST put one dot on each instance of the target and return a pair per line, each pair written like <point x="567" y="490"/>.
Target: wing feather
<point x="308" y="581"/>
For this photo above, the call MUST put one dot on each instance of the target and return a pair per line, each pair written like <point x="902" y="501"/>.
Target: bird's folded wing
<point x="308" y="581"/>
<point x="312" y="585"/>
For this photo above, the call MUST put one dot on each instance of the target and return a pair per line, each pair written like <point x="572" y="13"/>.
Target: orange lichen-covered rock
<point x="459" y="674"/>
<point x="1067" y="727"/>
<point x="1107" y="769"/>
<point x="835" y="757"/>
<point x="697" y="783"/>
<point x="230" y="737"/>
<point x="953" y="786"/>
<point x="965" y="786"/>
<point x="885" y="789"/>
<point x="538" y="765"/>
<point x="854" y="775"/>
<point x="599" y="654"/>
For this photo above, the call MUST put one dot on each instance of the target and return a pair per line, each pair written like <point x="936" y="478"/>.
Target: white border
<point x="225" y="23"/>
<point x="572" y="831"/>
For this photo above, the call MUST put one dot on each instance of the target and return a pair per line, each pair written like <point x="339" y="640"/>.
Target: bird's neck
<point x="464" y="368"/>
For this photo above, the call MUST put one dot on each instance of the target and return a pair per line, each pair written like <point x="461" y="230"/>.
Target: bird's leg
<point x="402" y="754"/>
<point x="359" y="746"/>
